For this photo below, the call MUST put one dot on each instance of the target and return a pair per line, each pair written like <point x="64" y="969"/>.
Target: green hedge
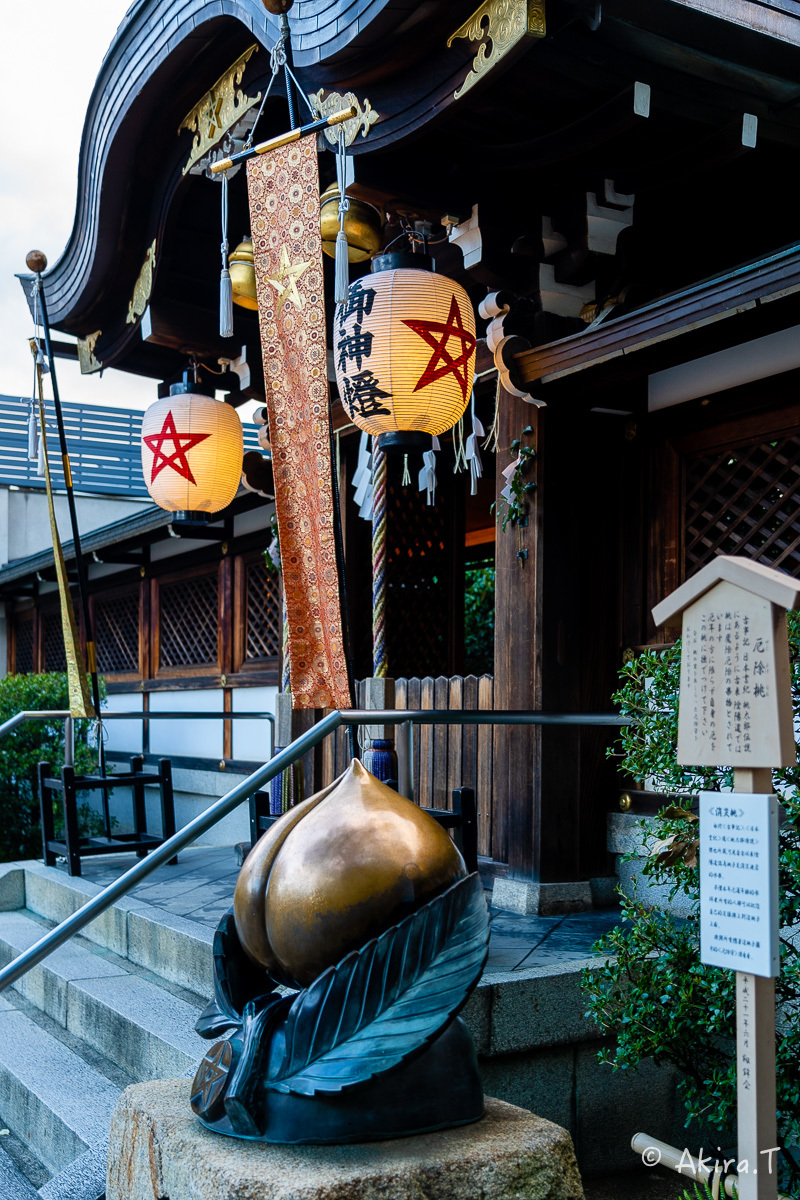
<point x="23" y="748"/>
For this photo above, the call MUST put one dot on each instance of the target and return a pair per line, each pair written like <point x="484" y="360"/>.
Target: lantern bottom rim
<point x="403" y="441"/>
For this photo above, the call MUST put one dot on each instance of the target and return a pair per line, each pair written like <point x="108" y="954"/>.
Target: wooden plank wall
<point x="445" y="756"/>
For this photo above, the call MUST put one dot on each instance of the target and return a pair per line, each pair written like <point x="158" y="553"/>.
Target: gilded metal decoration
<point x="143" y="287"/>
<point x="363" y="121"/>
<point x="220" y="109"/>
<point x="503" y="23"/>
<point x="363" y="901"/>
<point x="86" y="357"/>
<point x="285" y="281"/>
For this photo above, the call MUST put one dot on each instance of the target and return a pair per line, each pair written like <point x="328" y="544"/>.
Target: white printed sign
<point x="739" y="882"/>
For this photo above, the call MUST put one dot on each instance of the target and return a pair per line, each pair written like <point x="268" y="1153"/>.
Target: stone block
<point x="46" y="985"/>
<point x="604" y="891"/>
<point x="477" y="1015"/>
<point x="542" y="1006"/>
<point x="53" y="894"/>
<point x="54" y="1101"/>
<point x="83" y="1179"/>
<point x="624" y="832"/>
<point x="172" y="947"/>
<point x="545" y="899"/>
<point x="12" y="887"/>
<point x="543" y="1082"/>
<point x="159" y="1149"/>
<point x="13" y="1182"/>
<point x="142" y="1028"/>
<point x="634" y="885"/>
<point x="611" y="1106"/>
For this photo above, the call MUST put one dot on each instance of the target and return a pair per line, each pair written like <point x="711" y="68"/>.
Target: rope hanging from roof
<point x="379" y="664"/>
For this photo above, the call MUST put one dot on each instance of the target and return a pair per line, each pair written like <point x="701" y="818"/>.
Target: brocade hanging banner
<point x="283" y="188"/>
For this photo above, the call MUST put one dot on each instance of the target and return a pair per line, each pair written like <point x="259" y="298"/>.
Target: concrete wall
<point x="25" y="523"/>
<point x="195" y="790"/>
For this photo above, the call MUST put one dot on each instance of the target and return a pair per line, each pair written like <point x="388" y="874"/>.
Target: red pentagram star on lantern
<point x="182" y="442"/>
<point x="451" y="328"/>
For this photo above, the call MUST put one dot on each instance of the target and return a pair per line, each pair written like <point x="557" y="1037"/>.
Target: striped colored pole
<point x="379" y="665"/>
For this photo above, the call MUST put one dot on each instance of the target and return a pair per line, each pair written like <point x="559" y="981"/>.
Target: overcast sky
<point x="50" y="53"/>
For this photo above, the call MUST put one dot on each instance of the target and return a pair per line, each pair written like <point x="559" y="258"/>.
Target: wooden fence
<point x="444" y="756"/>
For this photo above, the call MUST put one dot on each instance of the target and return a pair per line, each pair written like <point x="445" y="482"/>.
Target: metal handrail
<point x="254" y="782"/>
<point x="62" y="714"/>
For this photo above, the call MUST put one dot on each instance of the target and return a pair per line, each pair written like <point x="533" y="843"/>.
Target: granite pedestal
<point x="158" y="1150"/>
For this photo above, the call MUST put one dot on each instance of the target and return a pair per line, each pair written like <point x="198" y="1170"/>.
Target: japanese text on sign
<point x="739" y="882"/>
<point x="728" y="713"/>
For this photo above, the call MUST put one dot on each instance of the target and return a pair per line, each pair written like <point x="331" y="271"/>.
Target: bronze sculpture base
<point x="437" y="1089"/>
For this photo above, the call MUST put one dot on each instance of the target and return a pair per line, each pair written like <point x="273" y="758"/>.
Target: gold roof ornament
<point x="143" y="287"/>
<point x="363" y="225"/>
<point x="365" y="117"/>
<point x="507" y="22"/>
<point x="88" y="363"/>
<point x="243" y="275"/>
<point x="222" y="107"/>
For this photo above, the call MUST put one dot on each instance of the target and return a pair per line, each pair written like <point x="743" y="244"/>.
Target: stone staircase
<point x="119" y="1004"/>
<point x="113" y="1007"/>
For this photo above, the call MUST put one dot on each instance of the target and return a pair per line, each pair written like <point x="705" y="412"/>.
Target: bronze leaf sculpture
<point x="362" y="901"/>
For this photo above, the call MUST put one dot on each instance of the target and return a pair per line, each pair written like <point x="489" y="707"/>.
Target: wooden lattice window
<point x="188" y="621"/>
<point x="418" y="579"/>
<point x="263" y="613"/>
<point x="116" y="632"/>
<point x="54" y="657"/>
<point x="24" y="647"/>
<point x="744" y="500"/>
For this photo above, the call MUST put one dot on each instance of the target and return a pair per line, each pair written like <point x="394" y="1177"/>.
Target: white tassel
<point x="225" y="304"/>
<point x="341" y="278"/>
<point x="225" y="285"/>
<point x="33" y="437"/>
<point x="406" y="480"/>
<point x="40" y="458"/>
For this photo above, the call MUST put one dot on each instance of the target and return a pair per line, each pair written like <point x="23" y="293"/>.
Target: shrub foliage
<point x="653" y="993"/>
<point x="23" y="748"/>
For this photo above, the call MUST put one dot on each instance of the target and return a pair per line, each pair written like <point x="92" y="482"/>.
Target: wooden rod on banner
<point x="36" y="261"/>
<point x="283" y="139"/>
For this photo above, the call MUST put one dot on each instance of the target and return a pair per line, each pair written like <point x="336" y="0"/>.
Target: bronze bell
<point x="243" y="274"/>
<point x="363" y="226"/>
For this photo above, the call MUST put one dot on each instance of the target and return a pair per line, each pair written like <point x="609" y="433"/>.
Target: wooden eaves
<point x="714" y="300"/>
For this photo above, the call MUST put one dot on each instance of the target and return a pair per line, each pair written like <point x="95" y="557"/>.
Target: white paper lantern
<point x="192" y="451"/>
<point x="404" y="347"/>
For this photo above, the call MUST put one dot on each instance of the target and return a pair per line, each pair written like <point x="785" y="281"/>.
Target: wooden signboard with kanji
<point x="735" y="709"/>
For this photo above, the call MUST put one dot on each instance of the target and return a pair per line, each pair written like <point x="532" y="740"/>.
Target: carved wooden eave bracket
<point x="143" y="287"/>
<point x="334" y="102"/>
<point x="220" y="109"/>
<point x="501" y="24"/>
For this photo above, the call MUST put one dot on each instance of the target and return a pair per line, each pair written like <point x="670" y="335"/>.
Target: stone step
<point x="138" y="1025"/>
<point x="172" y="947"/>
<point x="13" y="1184"/>
<point x="50" y="1097"/>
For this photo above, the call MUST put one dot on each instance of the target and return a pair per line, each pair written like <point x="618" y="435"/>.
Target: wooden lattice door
<point x="744" y="500"/>
<point x="188" y="622"/>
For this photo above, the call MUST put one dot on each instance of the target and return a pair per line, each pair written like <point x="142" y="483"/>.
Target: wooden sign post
<point x="735" y="710"/>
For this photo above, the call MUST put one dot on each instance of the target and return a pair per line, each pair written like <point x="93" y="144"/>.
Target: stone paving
<point x="200" y="887"/>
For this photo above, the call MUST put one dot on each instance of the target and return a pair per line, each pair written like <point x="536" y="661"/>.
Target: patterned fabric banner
<point x="283" y="188"/>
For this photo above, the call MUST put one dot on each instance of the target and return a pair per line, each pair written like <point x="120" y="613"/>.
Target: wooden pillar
<point x="516" y="811"/>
